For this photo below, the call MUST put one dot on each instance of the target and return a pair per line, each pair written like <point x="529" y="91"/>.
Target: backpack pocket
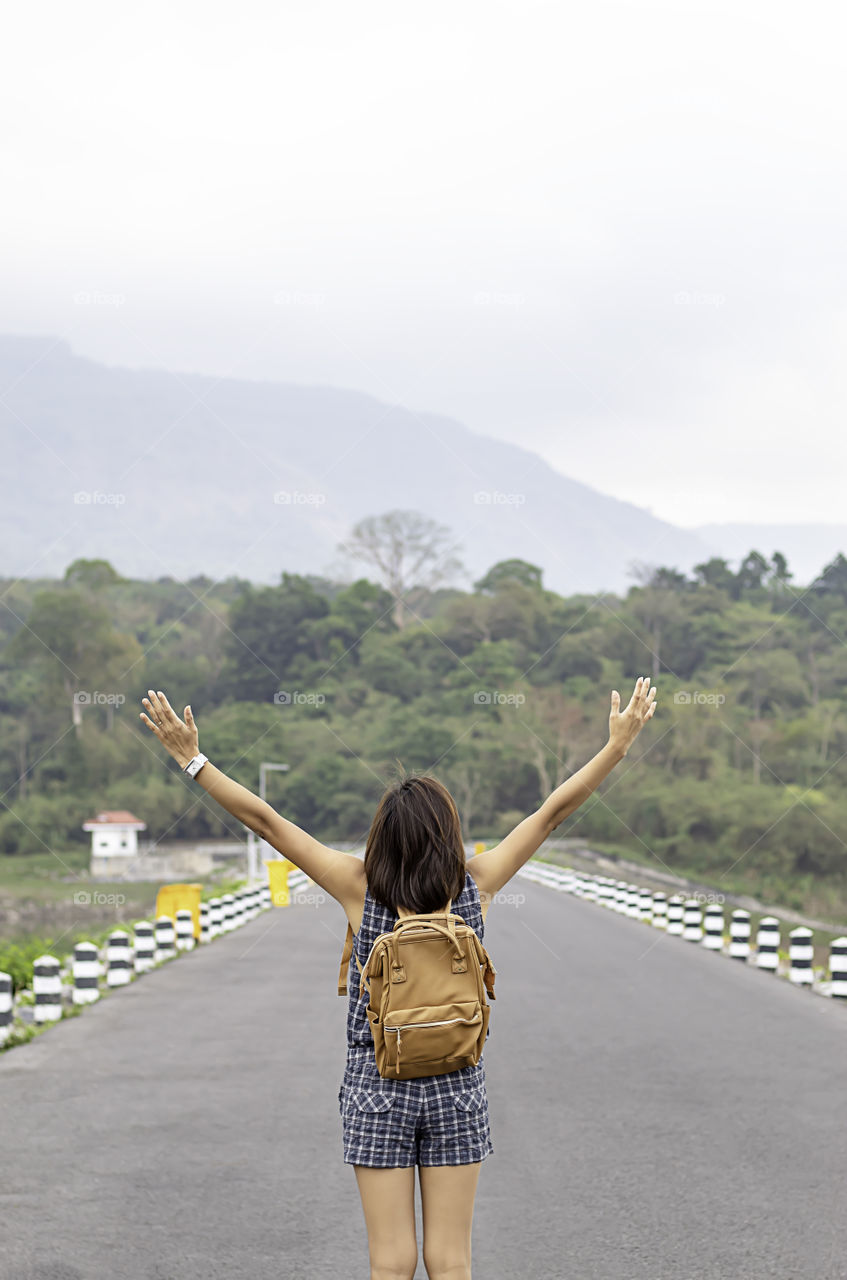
<point x="450" y="1034"/>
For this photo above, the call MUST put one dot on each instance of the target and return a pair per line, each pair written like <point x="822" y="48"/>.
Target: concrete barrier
<point x="606" y="893"/>
<point x="739" y="935"/>
<point x="47" y="989"/>
<point x="216" y="916"/>
<point x="838" y="968"/>
<point x="118" y="959"/>
<point x="165" y="938"/>
<point x="86" y="973"/>
<point x="145" y="947"/>
<point x="5" y="1006"/>
<point x="184" y="931"/>
<point x="713" y="927"/>
<point x="692" y="921"/>
<point x="767" y="944"/>
<point x="676" y="913"/>
<point x="660" y="911"/>
<point x="800" y="956"/>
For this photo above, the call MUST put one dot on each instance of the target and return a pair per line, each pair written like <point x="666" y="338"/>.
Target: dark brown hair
<point x="414" y="856"/>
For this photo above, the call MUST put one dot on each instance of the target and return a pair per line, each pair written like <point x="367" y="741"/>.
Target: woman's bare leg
<point x="388" y="1202"/>
<point x="447" y="1200"/>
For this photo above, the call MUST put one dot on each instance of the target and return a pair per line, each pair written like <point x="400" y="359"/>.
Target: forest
<point x="501" y="690"/>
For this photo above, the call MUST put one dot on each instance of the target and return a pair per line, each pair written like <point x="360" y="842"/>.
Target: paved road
<point x="657" y="1112"/>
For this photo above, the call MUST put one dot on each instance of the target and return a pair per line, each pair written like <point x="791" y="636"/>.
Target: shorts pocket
<point x="470" y="1099"/>
<point x="370" y="1100"/>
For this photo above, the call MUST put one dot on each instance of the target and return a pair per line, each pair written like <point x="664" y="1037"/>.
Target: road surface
<point x="658" y="1111"/>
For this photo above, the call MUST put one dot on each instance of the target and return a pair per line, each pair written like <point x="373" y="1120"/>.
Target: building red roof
<point x="115" y="818"/>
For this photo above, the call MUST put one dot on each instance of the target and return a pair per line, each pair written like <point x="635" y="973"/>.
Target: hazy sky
<point x="613" y="232"/>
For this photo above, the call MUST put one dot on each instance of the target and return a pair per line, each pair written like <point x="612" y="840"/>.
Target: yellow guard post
<point x="180" y="897"/>
<point x="278" y="869"/>
<point x="479" y="847"/>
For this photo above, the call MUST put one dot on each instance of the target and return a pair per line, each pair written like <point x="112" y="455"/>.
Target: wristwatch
<point x="194" y="766"/>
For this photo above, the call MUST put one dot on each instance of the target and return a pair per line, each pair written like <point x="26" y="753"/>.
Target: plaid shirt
<point x="434" y="1120"/>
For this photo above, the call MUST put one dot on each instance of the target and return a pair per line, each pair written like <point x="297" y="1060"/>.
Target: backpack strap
<point x="447" y="919"/>
<point x="345" y="961"/>
<point x="489" y="973"/>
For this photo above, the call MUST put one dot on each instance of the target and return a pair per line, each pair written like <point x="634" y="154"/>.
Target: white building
<point x="114" y="840"/>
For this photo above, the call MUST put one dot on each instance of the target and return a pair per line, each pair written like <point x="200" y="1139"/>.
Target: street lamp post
<point x="253" y="841"/>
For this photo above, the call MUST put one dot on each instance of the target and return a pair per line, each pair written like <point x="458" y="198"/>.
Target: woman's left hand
<point x="179" y="739"/>
<point x="625" y="726"/>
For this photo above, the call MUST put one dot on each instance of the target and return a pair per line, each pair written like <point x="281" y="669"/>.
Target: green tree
<point x="361" y="609"/>
<point x="780" y="574"/>
<point x="507" y="572"/>
<point x="271" y="645"/>
<point x="716" y="573"/>
<point x="752" y="572"/>
<point x="91" y="574"/>
<point x="83" y="659"/>
<point x="833" y="580"/>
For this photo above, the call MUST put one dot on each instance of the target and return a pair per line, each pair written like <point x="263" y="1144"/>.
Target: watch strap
<point x="194" y="766"/>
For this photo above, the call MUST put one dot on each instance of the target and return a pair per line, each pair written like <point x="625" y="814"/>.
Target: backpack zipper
<point x="442" y="1022"/>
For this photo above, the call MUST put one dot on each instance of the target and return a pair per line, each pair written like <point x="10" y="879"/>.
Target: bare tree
<point x="410" y="552"/>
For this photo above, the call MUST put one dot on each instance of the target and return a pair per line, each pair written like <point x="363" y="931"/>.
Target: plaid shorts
<point x="393" y="1124"/>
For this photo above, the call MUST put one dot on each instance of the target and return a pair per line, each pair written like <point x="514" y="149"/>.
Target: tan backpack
<point x="427" y="983"/>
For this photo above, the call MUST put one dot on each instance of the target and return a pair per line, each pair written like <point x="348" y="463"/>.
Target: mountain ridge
<point x="190" y="474"/>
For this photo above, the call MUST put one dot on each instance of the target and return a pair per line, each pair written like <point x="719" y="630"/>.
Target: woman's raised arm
<point x="495" y="867"/>
<point x="340" y="874"/>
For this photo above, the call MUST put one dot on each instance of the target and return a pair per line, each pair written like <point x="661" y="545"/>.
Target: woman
<point x="414" y="863"/>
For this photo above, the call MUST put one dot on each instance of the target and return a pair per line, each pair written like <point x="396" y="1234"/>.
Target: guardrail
<point x="83" y="977"/>
<point x="686" y="918"/>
